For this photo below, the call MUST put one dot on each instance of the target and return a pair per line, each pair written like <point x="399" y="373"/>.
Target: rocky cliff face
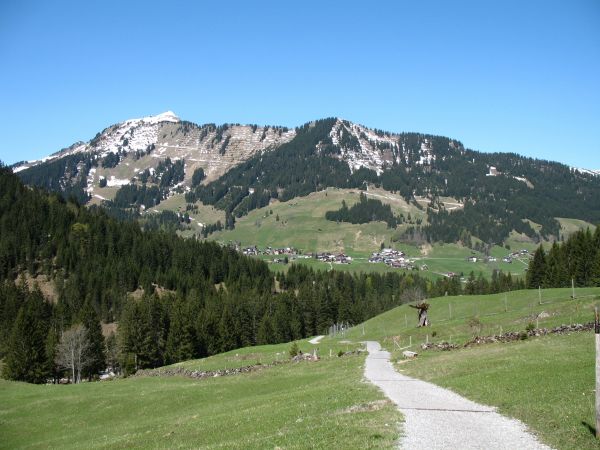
<point x="125" y="150"/>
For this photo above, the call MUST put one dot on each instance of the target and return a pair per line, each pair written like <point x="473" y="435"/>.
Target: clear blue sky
<point x="518" y="76"/>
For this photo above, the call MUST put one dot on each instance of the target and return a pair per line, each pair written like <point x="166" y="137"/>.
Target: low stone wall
<point x="510" y="336"/>
<point x="183" y="372"/>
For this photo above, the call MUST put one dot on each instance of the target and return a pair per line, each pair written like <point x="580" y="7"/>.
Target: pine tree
<point x="228" y="330"/>
<point x="265" y="331"/>
<point x="181" y="339"/>
<point x="537" y="269"/>
<point x="26" y="359"/>
<point x="52" y="341"/>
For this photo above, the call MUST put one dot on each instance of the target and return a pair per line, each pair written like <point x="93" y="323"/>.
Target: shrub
<point x="530" y="326"/>
<point x="294" y="350"/>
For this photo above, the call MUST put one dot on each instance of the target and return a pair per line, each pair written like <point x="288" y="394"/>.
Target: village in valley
<point x="393" y="258"/>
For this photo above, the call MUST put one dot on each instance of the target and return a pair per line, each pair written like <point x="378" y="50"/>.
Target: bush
<point x="294" y="350"/>
<point x="530" y="326"/>
<point x="340" y="353"/>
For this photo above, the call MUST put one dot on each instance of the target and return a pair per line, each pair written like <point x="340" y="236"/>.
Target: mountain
<point x="135" y="165"/>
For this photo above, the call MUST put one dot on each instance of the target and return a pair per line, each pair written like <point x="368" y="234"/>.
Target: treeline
<point x="196" y="298"/>
<point x="366" y="210"/>
<point x="577" y="261"/>
<point x="31" y="331"/>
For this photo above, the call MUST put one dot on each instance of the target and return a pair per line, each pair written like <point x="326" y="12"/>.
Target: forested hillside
<point x="519" y="189"/>
<point x="172" y="298"/>
<point x="576" y="261"/>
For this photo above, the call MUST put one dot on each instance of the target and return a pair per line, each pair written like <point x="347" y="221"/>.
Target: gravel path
<point x="316" y="339"/>
<point x="436" y="418"/>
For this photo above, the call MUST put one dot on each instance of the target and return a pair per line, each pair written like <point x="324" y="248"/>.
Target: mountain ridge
<point x="370" y="137"/>
<point x="139" y="163"/>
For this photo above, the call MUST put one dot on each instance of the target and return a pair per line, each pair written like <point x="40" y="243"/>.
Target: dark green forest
<point x="173" y="299"/>
<point x="577" y="261"/>
<point x="366" y="210"/>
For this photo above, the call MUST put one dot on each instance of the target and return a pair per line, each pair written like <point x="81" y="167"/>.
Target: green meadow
<point x="547" y="382"/>
<point x="297" y="405"/>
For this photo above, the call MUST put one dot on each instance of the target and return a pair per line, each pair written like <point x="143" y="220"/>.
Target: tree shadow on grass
<point x="590" y="428"/>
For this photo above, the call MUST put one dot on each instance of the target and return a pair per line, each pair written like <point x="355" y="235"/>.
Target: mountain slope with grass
<point x="466" y="196"/>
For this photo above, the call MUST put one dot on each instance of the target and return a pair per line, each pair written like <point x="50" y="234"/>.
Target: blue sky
<point x="509" y="76"/>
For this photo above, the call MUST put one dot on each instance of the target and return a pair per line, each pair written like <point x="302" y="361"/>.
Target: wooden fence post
<point x="597" y="335"/>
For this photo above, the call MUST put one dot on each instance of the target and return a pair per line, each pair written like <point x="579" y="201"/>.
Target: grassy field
<point x="301" y="223"/>
<point x="298" y="405"/>
<point x="547" y="382"/>
<point x="570" y="226"/>
<point x="451" y="317"/>
<point x="263" y="354"/>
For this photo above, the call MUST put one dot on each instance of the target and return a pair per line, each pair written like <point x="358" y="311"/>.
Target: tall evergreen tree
<point x="26" y="359"/>
<point x="537" y="269"/>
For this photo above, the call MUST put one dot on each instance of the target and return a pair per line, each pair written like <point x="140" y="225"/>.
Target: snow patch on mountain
<point x="360" y="146"/>
<point x="113" y="181"/>
<point x="363" y="147"/>
<point x="132" y="135"/>
<point x="586" y="171"/>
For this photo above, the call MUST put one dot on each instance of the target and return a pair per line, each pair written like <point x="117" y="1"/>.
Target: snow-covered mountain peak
<point x="168" y="116"/>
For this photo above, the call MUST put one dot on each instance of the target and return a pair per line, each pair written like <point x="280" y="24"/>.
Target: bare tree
<point x="72" y="351"/>
<point x="412" y="294"/>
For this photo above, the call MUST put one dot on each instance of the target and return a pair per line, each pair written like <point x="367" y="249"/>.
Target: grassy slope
<point x="450" y="316"/>
<point x="291" y="406"/>
<point x="302" y="224"/>
<point x="546" y="382"/>
<point x="263" y="354"/>
<point x="570" y="226"/>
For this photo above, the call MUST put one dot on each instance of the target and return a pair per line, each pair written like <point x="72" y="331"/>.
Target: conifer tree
<point x="537" y="268"/>
<point x="26" y="359"/>
<point x="180" y="341"/>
